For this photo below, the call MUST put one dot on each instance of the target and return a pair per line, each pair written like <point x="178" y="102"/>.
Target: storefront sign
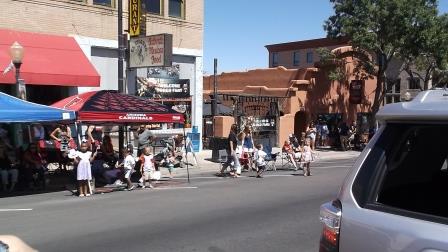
<point x="151" y="51"/>
<point x="134" y="17"/>
<point x="163" y="88"/>
<point x="135" y="117"/>
<point x="356" y="91"/>
<point x="259" y="123"/>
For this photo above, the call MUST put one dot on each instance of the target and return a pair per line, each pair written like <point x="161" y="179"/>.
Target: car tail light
<point x="330" y="216"/>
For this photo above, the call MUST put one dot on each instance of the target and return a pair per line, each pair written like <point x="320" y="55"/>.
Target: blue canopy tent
<point x="14" y="110"/>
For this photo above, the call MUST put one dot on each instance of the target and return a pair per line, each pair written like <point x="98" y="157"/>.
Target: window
<point x="415" y="169"/>
<point x="414" y="83"/>
<point x="392" y="91"/>
<point x="406" y="171"/>
<point x="153" y="6"/>
<point x="309" y="57"/>
<point x="296" y="59"/>
<point x="275" y="59"/>
<point x="103" y="2"/>
<point x="176" y="8"/>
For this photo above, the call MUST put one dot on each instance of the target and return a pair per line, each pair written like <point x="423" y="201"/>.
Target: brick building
<point x="300" y="54"/>
<point x="93" y="25"/>
<point x="303" y="54"/>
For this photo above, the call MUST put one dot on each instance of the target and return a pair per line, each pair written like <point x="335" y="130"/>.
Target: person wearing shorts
<point x="147" y="167"/>
<point x="259" y="157"/>
<point x="128" y="166"/>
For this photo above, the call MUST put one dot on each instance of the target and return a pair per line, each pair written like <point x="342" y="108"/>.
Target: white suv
<point x="396" y="196"/>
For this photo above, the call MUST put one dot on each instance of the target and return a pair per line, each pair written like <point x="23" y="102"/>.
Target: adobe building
<point x="303" y="95"/>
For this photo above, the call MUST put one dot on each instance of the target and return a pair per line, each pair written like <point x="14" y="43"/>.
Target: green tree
<point x="425" y="53"/>
<point x="380" y="27"/>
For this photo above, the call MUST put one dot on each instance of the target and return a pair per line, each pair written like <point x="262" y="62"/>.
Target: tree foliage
<point x="425" y="54"/>
<point x="383" y="28"/>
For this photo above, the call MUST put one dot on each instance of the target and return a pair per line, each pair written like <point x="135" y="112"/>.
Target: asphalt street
<point x="276" y="213"/>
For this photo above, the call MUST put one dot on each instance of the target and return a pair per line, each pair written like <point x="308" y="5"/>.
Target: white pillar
<point x="197" y="99"/>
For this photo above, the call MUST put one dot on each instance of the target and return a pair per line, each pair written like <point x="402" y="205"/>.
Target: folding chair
<point x="286" y="160"/>
<point x="271" y="158"/>
<point x="222" y="158"/>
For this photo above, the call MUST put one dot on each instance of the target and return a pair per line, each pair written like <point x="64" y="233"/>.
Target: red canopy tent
<point x="111" y="107"/>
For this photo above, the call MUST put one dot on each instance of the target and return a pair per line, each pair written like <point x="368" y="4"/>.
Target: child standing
<point x="128" y="166"/>
<point x="170" y="160"/>
<point x="259" y="156"/>
<point x="84" y="172"/>
<point x="147" y="167"/>
<point x="307" y="157"/>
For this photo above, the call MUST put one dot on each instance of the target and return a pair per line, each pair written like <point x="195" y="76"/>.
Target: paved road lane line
<point x="192" y="177"/>
<point x="335" y="166"/>
<point x="278" y="175"/>
<point x="16" y="210"/>
<point x="177" y="187"/>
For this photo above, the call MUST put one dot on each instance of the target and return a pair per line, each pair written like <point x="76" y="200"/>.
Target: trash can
<point x="216" y="144"/>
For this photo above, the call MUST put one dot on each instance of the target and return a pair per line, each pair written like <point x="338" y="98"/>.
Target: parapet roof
<point x="304" y="44"/>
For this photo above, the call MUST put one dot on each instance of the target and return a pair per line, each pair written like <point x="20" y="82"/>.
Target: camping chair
<point x="286" y="161"/>
<point x="222" y="158"/>
<point x="271" y="158"/>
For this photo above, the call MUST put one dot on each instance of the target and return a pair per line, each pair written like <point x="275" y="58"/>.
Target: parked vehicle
<point x="394" y="198"/>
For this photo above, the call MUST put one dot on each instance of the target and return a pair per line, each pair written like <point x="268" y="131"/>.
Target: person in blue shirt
<point x="248" y="144"/>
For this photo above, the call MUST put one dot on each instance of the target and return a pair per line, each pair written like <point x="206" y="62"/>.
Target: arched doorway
<point x="299" y="123"/>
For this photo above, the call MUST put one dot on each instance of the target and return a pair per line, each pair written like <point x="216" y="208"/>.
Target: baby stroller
<point x="245" y="160"/>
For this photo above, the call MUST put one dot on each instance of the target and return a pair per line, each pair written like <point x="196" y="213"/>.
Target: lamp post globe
<point x="16" y="51"/>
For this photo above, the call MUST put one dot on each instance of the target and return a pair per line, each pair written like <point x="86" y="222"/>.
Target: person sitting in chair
<point x="292" y="155"/>
<point x="34" y="165"/>
<point x="7" y="170"/>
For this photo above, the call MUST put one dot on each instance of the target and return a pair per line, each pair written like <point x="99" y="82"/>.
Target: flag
<point x="8" y="68"/>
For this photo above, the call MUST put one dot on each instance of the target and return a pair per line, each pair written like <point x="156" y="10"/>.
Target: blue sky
<point x="236" y="31"/>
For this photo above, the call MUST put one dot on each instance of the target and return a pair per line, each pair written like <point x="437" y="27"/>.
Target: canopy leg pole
<point x="186" y="156"/>
<point x="78" y="128"/>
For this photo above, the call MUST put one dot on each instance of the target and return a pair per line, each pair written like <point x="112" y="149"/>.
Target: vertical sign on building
<point x="134" y="17"/>
<point x="356" y="91"/>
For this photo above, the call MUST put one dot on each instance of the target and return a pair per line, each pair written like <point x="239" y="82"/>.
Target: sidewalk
<point x="204" y="163"/>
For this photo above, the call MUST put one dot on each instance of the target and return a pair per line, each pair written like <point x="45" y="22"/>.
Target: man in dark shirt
<point x="344" y="134"/>
<point x="231" y="153"/>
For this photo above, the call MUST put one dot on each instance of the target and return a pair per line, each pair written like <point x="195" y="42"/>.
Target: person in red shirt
<point x="289" y="150"/>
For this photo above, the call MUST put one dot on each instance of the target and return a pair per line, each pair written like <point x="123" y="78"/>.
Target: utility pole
<point x="121" y="50"/>
<point x="215" y="93"/>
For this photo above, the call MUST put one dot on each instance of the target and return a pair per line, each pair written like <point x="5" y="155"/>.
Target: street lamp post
<point x="16" y="51"/>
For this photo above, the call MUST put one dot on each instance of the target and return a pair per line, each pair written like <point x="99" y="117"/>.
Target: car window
<point x="414" y="174"/>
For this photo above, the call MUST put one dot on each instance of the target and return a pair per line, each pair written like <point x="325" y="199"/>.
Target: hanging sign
<point x="134" y="17"/>
<point x="151" y="51"/>
<point x="356" y="91"/>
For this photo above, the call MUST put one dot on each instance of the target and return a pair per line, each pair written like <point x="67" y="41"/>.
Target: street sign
<point x="134" y="17"/>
